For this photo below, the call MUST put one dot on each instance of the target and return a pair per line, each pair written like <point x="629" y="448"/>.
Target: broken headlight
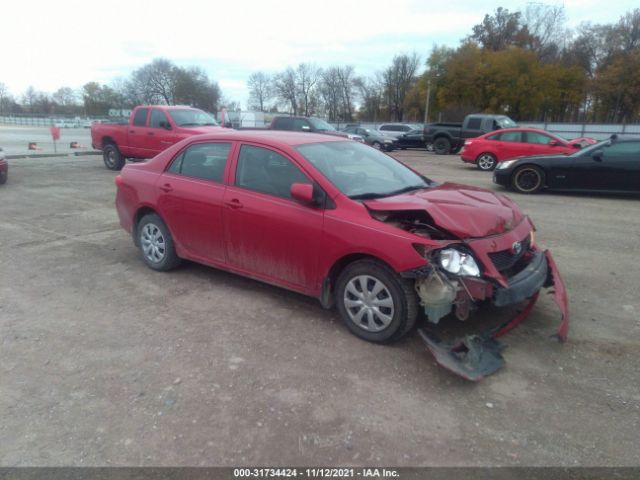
<point x="458" y="263"/>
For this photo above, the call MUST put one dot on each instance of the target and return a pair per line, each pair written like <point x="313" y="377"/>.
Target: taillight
<point x="118" y="180"/>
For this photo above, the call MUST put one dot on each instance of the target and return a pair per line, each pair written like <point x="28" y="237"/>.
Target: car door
<point x="137" y="133"/>
<point x="581" y="171"/>
<point x="160" y="134"/>
<point x="268" y="234"/>
<point x="191" y="193"/>
<point x="538" y="143"/>
<point x="510" y="145"/>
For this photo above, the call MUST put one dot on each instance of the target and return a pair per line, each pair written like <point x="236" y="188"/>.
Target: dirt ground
<point x="105" y="362"/>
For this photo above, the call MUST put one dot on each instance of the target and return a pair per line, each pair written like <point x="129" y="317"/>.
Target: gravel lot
<point x="105" y="362"/>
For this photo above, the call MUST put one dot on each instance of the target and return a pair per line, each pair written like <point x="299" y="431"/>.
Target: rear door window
<point x="140" y="118"/>
<point x="537" y="138"/>
<point x="206" y="161"/>
<point x="474" y="123"/>
<point x="511" y="136"/>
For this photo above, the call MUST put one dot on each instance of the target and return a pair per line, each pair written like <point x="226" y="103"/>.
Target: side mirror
<point x="302" y="192"/>
<point x="597" y="155"/>
<point x="577" y="146"/>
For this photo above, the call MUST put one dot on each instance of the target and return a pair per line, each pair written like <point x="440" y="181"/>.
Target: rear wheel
<point x="528" y="179"/>
<point x="112" y="157"/>
<point x="486" y="162"/>
<point x="377" y="145"/>
<point x="374" y="302"/>
<point x="156" y="243"/>
<point x="442" y="146"/>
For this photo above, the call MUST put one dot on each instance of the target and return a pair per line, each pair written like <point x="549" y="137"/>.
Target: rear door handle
<point x="166" y="188"/>
<point x="234" y="203"/>
<point x="150" y="133"/>
<point x="132" y="131"/>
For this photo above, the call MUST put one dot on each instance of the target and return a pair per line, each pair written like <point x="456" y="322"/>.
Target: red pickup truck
<point x="151" y="129"/>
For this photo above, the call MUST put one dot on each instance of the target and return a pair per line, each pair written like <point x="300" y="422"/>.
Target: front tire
<point x="486" y="162"/>
<point x="112" y="157"/>
<point x="3" y="178"/>
<point x="377" y="145"/>
<point x="442" y="146"/>
<point x="374" y="302"/>
<point x="528" y="179"/>
<point x="156" y="244"/>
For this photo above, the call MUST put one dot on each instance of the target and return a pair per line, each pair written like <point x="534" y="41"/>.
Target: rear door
<point x="510" y="145"/>
<point x="191" y="192"/>
<point x="268" y="234"/>
<point x="137" y="133"/>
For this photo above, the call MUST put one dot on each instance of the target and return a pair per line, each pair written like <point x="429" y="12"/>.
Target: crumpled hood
<point x="463" y="211"/>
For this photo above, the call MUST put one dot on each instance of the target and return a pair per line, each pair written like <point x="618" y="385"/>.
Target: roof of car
<point x="274" y="137"/>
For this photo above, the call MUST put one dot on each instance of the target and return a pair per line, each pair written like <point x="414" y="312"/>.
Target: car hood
<point x="461" y="210"/>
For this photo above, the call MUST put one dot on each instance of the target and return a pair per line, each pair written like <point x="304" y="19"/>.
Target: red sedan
<point x="340" y="221"/>
<point x="489" y="149"/>
<point x="4" y="168"/>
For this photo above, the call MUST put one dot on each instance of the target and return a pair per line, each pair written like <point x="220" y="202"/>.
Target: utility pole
<point x="426" y="106"/>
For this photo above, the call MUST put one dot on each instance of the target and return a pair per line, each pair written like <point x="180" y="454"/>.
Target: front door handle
<point x="132" y="131"/>
<point x="150" y="133"/>
<point x="234" y="203"/>
<point x="166" y="188"/>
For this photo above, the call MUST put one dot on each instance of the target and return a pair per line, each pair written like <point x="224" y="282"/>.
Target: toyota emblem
<point x="516" y="248"/>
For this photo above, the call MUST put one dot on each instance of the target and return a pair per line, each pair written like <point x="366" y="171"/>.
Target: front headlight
<point x="458" y="263"/>
<point x="507" y="164"/>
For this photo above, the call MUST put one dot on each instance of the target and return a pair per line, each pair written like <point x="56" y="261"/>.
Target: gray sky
<point x="50" y="44"/>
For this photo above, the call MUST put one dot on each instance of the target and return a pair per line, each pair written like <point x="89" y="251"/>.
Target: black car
<point x="412" y="139"/>
<point x="609" y="166"/>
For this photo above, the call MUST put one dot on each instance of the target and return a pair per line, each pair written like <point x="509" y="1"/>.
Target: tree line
<point x="526" y="64"/>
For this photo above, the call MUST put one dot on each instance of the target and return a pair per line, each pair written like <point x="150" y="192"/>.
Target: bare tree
<point x="260" y="89"/>
<point x="286" y="88"/>
<point x="398" y="79"/>
<point x="371" y="96"/>
<point x="307" y="78"/>
<point x="4" y="97"/>
<point x="546" y="25"/>
<point x="500" y="30"/>
<point x="29" y="97"/>
<point x="346" y="76"/>
<point x="155" y="82"/>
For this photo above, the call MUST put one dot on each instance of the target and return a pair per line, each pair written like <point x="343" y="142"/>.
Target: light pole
<point x="426" y="105"/>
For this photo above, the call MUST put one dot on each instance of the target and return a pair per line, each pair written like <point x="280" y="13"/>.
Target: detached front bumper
<point x="475" y="356"/>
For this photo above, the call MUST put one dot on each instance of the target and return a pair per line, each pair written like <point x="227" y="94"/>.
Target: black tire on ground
<point x="3" y="178"/>
<point x="401" y="316"/>
<point x="403" y="148"/>
<point x="442" y="146"/>
<point x="377" y="145"/>
<point x="486" y="162"/>
<point x="112" y="157"/>
<point x="156" y="243"/>
<point x="528" y="179"/>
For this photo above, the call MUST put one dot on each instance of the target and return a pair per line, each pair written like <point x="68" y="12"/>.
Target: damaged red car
<point x="346" y="223"/>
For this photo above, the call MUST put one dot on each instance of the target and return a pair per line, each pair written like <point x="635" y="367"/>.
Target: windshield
<point x="506" y="122"/>
<point x="321" y="125"/>
<point x="361" y="172"/>
<point x="190" y="117"/>
<point x="591" y="148"/>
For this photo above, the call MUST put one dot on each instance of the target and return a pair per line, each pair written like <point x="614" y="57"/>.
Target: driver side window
<point x="265" y="171"/>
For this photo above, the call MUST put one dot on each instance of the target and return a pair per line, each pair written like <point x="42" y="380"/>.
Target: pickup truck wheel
<point x="486" y="162"/>
<point x="528" y="179"/>
<point x="442" y="146"/>
<point x="156" y="244"/>
<point x="374" y="302"/>
<point x="112" y="157"/>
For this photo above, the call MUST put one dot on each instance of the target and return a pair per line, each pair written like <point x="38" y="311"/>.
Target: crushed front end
<point x="503" y="269"/>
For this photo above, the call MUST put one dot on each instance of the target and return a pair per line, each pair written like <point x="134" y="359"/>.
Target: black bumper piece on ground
<point x="524" y="284"/>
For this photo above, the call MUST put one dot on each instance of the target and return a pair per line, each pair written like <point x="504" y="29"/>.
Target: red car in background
<point x="342" y="222"/>
<point x="489" y="149"/>
<point x="4" y="168"/>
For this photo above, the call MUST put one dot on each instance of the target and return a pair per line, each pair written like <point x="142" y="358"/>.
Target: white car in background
<point x="64" y="123"/>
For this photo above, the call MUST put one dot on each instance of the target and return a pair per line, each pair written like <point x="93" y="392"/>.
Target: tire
<point x="389" y="315"/>
<point x="403" y="148"/>
<point x="528" y="179"/>
<point x="486" y="162"/>
<point x="3" y="178"/>
<point x="112" y="157"/>
<point x="156" y="244"/>
<point x="377" y="145"/>
<point x="442" y="146"/>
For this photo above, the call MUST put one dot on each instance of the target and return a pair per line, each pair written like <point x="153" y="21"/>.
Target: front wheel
<point x="486" y="162"/>
<point x="377" y="145"/>
<point x="374" y="302"/>
<point x="156" y="243"/>
<point x="528" y="179"/>
<point x="112" y="157"/>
